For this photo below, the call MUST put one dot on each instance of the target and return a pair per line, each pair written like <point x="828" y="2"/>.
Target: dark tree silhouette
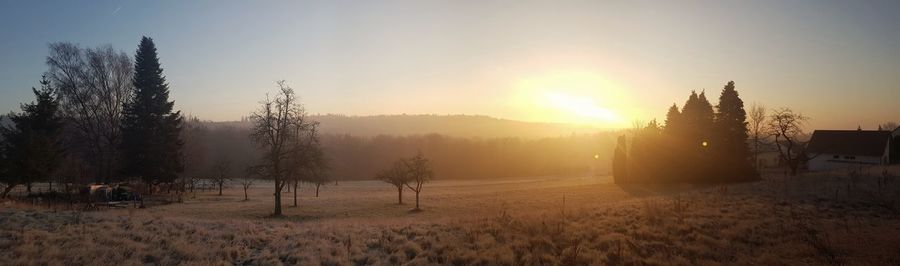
<point x="620" y="163"/>
<point x="151" y="131"/>
<point x="282" y="132"/>
<point x="308" y="163"/>
<point x="419" y="170"/>
<point x="246" y="183"/>
<point x="695" y="145"/>
<point x="396" y="175"/>
<point x="673" y="121"/>
<point x="730" y="141"/>
<point x="757" y="119"/>
<point x="31" y="148"/>
<point x="93" y="86"/>
<point x="221" y="173"/>
<point x="786" y="127"/>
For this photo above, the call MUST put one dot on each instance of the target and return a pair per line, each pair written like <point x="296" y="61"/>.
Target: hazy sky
<point x="601" y="62"/>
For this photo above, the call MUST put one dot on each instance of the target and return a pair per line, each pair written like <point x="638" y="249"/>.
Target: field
<point x="843" y="217"/>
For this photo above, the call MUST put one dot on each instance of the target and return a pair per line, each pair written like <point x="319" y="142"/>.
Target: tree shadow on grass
<point x="649" y="190"/>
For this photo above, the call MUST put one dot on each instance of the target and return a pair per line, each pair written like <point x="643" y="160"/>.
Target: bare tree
<point x="757" y="118"/>
<point x="316" y="169"/>
<point x="194" y="152"/>
<point x="395" y="175"/>
<point x="307" y="162"/>
<point x="787" y="129"/>
<point x="94" y="85"/>
<point x="249" y="179"/>
<point x="221" y="173"/>
<point x="246" y="183"/>
<point x="419" y="170"/>
<point x="888" y="126"/>
<point x="281" y="130"/>
<point x="319" y="178"/>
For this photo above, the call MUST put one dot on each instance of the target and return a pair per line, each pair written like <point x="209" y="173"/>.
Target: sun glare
<point x="576" y="97"/>
<point x="582" y="108"/>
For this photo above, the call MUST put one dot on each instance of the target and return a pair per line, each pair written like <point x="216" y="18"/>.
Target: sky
<point x="600" y="63"/>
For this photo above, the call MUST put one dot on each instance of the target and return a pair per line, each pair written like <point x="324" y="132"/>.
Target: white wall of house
<point x="825" y="162"/>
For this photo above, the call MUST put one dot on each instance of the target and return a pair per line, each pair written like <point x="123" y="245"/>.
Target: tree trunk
<point x="277" y="198"/>
<point x="417" y="200"/>
<point x="295" y="193"/>
<point x="7" y="190"/>
<point x="400" y="195"/>
<point x="220" y="187"/>
<point x="51" y="185"/>
<point x="756" y="153"/>
<point x="794" y="167"/>
<point x="245" y="194"/>
<point x="28" y="187"/>
<point x="317" y="190"/>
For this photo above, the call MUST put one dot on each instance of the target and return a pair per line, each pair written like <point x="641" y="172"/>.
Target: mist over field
<point x="573" y="132"/>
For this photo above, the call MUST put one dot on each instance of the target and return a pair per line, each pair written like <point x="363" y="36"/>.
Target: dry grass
<point x="830" y="218"/>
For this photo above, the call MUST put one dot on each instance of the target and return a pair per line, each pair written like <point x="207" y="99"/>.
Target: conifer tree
<point x="673" y="121"/>
<point x="620" y="161"/>
<point x="731" y="134"/>
<point x="706" y="118"/>
<point x="151" y="130"/>
<point x="31" y="147"/>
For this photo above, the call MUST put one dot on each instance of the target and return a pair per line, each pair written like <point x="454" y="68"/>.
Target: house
<point x="895" y="145"/>
<point x="833" y="149"/>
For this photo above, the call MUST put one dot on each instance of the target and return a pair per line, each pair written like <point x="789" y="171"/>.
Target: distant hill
<point x="449" y="125"/>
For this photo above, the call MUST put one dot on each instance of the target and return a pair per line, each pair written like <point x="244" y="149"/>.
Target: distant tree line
<point x="355" y="157"/>
<point x="698" y="143"/>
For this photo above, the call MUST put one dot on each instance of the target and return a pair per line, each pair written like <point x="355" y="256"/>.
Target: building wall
<point x="825" y="162"/>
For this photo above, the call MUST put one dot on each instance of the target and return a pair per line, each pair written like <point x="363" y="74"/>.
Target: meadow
<point x="840" y="217"/>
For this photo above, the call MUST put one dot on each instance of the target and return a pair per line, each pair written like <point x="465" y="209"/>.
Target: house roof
<point x="849" y="142"/>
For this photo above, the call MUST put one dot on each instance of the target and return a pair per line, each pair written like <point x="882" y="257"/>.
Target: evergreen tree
<point x="672" y="157"/>
<point x="673" y="121"/>
<point x="620" y="161"/>
<point x="705" y="118"/>
<point x="151" y="131"/>
<point x="31" y="147"/>
<point x="731" y="134"/>
<point x="690" y="119"/>
<point x="697" y="117"/>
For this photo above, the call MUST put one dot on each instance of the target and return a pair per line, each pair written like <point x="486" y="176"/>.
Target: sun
<point x="581" y="109"/>
<point x="574" y="97"/>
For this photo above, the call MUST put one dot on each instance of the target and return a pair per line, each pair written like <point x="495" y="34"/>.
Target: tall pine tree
<point x="731" y="134"/>
<point x="31" y="147"/>
<point x="151" y="130"/>
<point x="706" y="117"/>
<point x="673" y="125"/>
<point x="620" y="161"/>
